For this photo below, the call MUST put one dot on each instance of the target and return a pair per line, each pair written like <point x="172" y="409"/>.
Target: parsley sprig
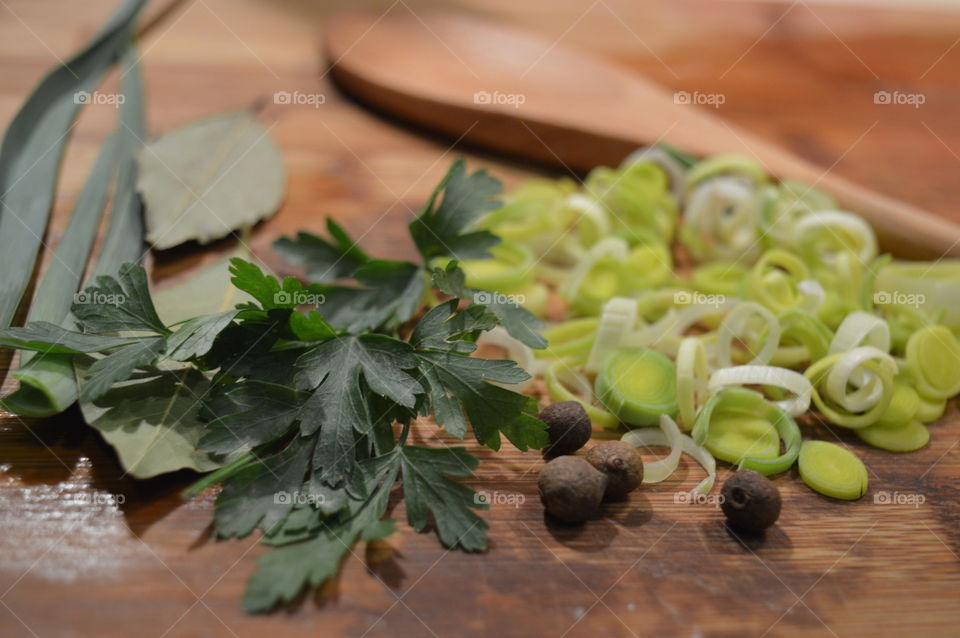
<point x="313" y="409"/>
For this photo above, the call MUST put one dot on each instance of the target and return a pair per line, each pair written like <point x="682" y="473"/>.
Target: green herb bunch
<point x="309" y="412"/>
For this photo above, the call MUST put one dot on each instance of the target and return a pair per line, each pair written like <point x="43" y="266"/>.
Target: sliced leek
<point x="638" y="385"/>
<point x="933" y="354"/>
<point x="660" y="470"/>
<point x="832" y="470"/>
<point x="747" y="404"/>
<point x="793" y="382"/>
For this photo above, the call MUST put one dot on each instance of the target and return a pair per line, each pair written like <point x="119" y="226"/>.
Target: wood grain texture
<point x="76" y="562"/>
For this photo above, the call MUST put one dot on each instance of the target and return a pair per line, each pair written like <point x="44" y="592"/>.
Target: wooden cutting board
<point x="88" y="552"/>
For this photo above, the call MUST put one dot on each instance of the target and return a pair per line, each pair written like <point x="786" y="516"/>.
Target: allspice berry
<point x="751" y="502"/>
<point x="568" y="427"/>
<point x="571" y="489"/>
<point x="622" y="464"/>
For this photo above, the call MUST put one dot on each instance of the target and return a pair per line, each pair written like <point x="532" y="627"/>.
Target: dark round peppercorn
<point x="571" y="489"/>
<point x="751" y="502"/>
<point x="568" y="427"/>
<point x="622" y="464"/>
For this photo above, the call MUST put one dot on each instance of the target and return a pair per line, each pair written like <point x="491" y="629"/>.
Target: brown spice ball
<point x="751" y="502"/>
<point x="622" y="464"/>
<point x="568" y="427"/>
<point x="571" y="489"/>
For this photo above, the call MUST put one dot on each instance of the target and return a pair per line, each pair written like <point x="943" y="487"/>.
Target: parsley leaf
<point x="518" y="321"/>
<point x="119" y="305"/>
<point x="283" y="573"/>
<point x="442" y="230"/>
<point x="323" y="260"/>
<point x="443" y="328"/>
<point x="250" y="414"/>
<point x="119" y="365"/>
<point x="41" y="336"/>
<point x="459" y="385"/>
<point x="341" y="370"/>
<point x="263" y="493"/>
<point x="389" y="293"/>
<point x="195" y="337"/>
<point x="426" y="489"/>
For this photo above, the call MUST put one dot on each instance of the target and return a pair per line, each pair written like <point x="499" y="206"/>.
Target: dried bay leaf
<point x="152" y="420"/>
<point x="209" y="178"/>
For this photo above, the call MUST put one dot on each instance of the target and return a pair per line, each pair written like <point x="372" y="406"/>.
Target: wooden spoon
<point x="506" y="89"/>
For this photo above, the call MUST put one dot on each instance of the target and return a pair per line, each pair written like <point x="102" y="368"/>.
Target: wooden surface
<point x="76" y="562"/>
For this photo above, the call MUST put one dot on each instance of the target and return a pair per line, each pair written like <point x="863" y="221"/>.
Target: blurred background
<point x="801" y="73"/>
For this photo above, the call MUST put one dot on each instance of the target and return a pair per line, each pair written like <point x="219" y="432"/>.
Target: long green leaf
<point x="123" y="242"/>
<point x="48" y="381"/>
<point x="33" y="147"/>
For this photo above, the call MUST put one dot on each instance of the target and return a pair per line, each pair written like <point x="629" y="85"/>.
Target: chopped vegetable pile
<point x="709" y="293"/>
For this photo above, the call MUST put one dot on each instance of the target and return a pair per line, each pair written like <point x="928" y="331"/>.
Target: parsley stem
<point x="217" y="476"/>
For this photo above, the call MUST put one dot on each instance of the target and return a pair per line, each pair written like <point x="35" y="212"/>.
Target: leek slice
<point x="789" y="380"/>
<point x="858" y="328"/>
<point x="908" y="437"/>
<point x="812" y="335"/>
<point x="848" y="370"/>
<point x="728" y="164"/>
<point x="748" y="407"/>
<point x="649" y="437"/>
<point x="822" y="235"/>
<point x="617" y="320"/>
<point x="675" y="171"/>
<point x="638" y="385"/>
<point x="903" y="408"/>
<point x="648" y="266"/>
<point x="720" y="220"/>
<point x="564" y="383"/>
<point x="570" y="339"/>
<point x="597" y="277"/>
<point x="718" y="278"/>
<point x="636" y="195"/>
<point x="930" y="410"/>
<point x="692" y="379"/>
<point x="510" y="268"/>
<point x="829" y="406"/>
<point x="774" y="281"/>
<point x="593" y="223"/>
<point x="735" y="325"/>
<point x="832" y="470"/>
<point x="935" y="285"/>
<point x="933" y="355"/>
<point x="662" y="469"/>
